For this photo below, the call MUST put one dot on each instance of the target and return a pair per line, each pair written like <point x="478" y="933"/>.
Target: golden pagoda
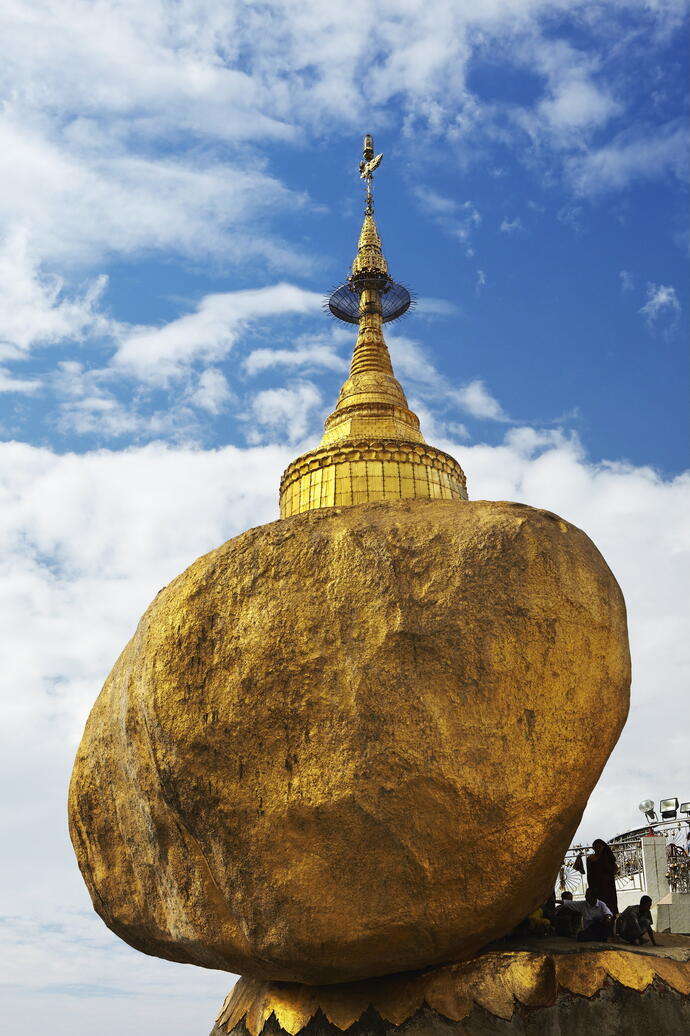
<point x="372" y="448"/>
<point x="342" y="753"/>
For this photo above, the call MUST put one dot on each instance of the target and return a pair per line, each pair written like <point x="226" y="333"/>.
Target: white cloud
<point x="662" y="303"/>
<point x="34" y="307"/>
<point x="158" y="355"/>
<point x="476" y="399"/>
<point x="85" y="979"/>
<point x="100" y="415"/>
<point x="283" y="412"/>
<point x="190" y="77"/>
<point x="412" y="364"/>
<point x="578" y="99"/>
<point x="90" y="398"/>
<point x="571" y="216"/>
<point x="80" y="58"/>
<point x="8" y="383"/>
<point x="480" y="281"/>
<point x="81" y="204"/>
<point x="212" y="392"/>
<point x="511" y="226"/>
<point x="459" y="219"/>
<point x="578" y="104"/>
<point x="631" y="155"/>
<point x="627" y="281"/>
<point x="90" y="406"/>
<point x="428" y="306"/>
<point x="312" y="353"/>
<point x="435" y="427"/>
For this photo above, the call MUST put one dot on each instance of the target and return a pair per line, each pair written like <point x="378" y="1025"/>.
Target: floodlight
<point x="685" y="808"/>
<point x="646" y="806"/>
<point x="668" y="809"/>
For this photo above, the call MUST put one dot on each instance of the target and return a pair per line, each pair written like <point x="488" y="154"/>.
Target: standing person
<point x="636" y="921"/>
<point x="596" y="917"/>
<point x="601" y="874"/>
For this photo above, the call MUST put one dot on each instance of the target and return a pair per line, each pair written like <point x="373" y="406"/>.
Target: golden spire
<point x="371" y="402"/>
<point x="372" y="448"/>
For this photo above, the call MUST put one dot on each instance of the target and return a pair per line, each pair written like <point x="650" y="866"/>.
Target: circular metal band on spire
<point x="344" y="302"/>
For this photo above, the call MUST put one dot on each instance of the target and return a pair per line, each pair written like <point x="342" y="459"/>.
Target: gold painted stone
<point x="501" y="984"/>
<point x="352" y="742"/>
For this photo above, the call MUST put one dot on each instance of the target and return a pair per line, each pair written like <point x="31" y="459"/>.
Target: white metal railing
<point x="627" y="850"/>
<point x="572" y="876"/>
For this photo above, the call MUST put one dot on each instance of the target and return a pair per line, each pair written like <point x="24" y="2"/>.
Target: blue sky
<point x="180" y="190"/>
<point x="533" y="181"/>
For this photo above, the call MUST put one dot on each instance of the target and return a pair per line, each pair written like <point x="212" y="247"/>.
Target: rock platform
<point x="549" y="987"/>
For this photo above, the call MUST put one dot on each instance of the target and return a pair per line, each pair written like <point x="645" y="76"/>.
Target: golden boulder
<point x="352" y="742"/>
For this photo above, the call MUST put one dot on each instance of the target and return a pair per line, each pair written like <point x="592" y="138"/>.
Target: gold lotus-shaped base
<point x="499" y="982"/>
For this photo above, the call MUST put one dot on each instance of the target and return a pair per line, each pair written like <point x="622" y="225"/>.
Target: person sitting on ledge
<point x="566" y="922"/>
<point x="596" y="917"/>
<point x="548" y="908"/>
<point x="636" y="921"/>
<point x="538" y="924"/>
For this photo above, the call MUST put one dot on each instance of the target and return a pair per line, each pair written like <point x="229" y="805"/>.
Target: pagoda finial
<point x="369" y="269"/>
<point x="366" y="169"/>
<point x="372" y="384"/>
<point x="372" y="448"/>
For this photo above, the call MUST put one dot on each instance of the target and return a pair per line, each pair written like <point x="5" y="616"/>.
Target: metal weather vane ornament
<point x="367" y="167"/>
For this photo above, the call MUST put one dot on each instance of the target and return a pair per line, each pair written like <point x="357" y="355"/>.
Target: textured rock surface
<point x="658" y="1011"/>
<point x="352" y="742"/>
<point x="566" y="990"/>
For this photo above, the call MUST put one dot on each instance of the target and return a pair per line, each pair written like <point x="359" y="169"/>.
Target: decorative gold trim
<point x="494" y="981"/>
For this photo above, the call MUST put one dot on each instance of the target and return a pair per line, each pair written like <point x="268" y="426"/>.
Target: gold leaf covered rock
<point x="501" y="984"/>
<point x="352" y="742"/>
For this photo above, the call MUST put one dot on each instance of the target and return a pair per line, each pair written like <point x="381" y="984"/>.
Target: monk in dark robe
<point x="601" y="874"/>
